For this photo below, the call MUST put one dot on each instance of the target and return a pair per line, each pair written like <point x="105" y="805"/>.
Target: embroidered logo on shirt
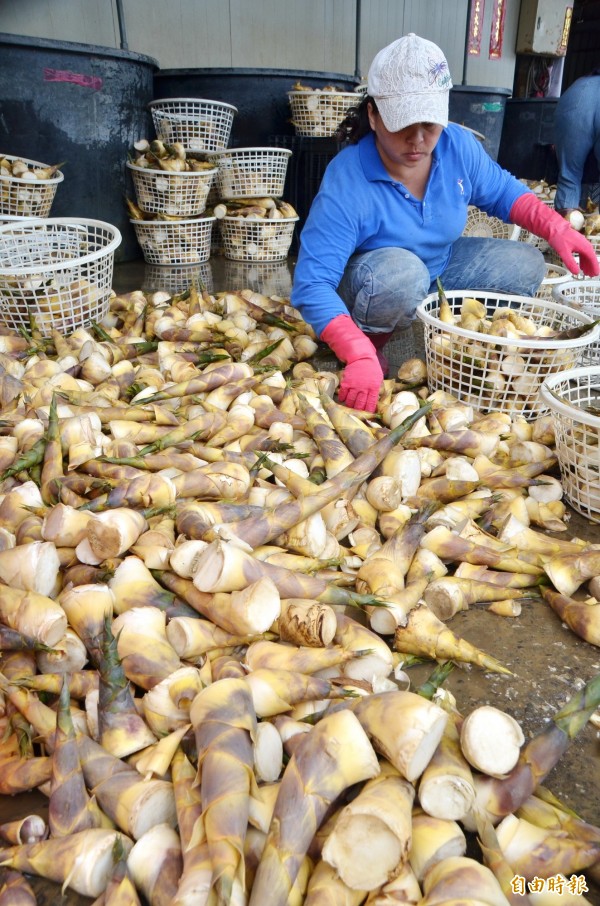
<point x="460" y="186"/>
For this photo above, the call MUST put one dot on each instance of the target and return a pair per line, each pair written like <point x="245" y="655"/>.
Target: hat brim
<point x="417" y="107"/>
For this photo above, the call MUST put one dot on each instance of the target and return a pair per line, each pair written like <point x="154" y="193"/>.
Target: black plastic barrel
<point x="83" y="105"/>
<point x="481" y="109"/>
<point x="260" y="96"/>
<point x="526" y="148"/>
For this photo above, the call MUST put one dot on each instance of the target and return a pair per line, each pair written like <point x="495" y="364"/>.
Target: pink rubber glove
<point x="531" y="213"/>
<point x="362" y="376"/>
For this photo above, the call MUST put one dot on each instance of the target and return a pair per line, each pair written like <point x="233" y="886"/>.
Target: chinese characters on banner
<point x="475" y="25"/>
<point x="497" y="29"/>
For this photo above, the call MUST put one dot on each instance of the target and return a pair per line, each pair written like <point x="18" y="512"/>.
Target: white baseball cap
<point x="410" y="83"/>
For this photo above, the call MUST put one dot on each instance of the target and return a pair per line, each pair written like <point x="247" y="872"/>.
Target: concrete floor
<point x="548" y="661"/>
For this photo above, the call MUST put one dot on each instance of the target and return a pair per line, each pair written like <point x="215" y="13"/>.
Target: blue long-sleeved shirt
<point x="360" y="207"/>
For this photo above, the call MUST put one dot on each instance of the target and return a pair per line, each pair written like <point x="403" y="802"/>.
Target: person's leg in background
<point x="575" y="125"/>
<point x="382" y="289"/>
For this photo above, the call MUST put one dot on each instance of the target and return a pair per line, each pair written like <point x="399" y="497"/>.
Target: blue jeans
<point x="576" y="134"/>
<point x="383" y="288"/>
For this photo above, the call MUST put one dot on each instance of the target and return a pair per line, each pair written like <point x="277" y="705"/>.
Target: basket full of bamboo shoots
<point x="176" y="240"/>
<point x="573" y="397"/>
<point x="27" y="187"/>
<point x="251" y="172"/>
<point x="583" y="295"/>
<point x="167" y="180"/>
<point x="494" y="350"/>
<point x="199" y="124"/>
<point x="256" y="229"/>
<point x="318" y="112"/>
<point x="56" y="273"/>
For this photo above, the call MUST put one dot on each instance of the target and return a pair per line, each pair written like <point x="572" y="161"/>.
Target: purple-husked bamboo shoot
<point x="373" y="659"/>
<point x="447" y="596"/>
<point x="30" y="829"/>
<point x="15" y="890"/>
<point x="69" y="655"/>
<point x="567" y="572"/>
<point x="33" y="614"/>
<point x="111" y="534"/>
<point x="121" y="729"/>
<point x="326" y="888"/>
<point x="262" y="654"/>
<point x="120" y="890"/>
<point x="335" y="755"/>
<point x="155" y="863"/>
<point x="446" y="788"/>
<point x="32" y="567"/>
<point x="425" y="635"/>
<point x="143" y="646"/>
<point x="165" y="711"/>
<point x="496" y="861"/>
<point x="133" y="585"/>
<point x="81" y="861"/>
<point x="403" y="727"/>
<point x="403" y="890"/>
<point x="582" y="617"/>
<point x="451" y="547"/>
<point x="539" y="852"/>
<point x="70" y="807"/>
<point x="192" y="637"/>
<point x="461" y="881"/>
<point x="226" y="567"/>
<point x="432" y="840"/>
<point x="87" y="608"/>
<point x="224" y="723"/>
<point x="277" y="691"/>
<point x="372" y="835"/>
<point x="19" y="775"/>
<point x="135" y="805"/>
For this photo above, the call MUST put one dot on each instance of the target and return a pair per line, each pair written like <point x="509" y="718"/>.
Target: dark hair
<point x="356" y="123"/>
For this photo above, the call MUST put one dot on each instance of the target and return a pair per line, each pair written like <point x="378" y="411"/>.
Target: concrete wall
<point x="318" y="35"/>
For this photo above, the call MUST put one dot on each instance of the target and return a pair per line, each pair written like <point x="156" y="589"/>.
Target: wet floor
<point x="548" y="661"/>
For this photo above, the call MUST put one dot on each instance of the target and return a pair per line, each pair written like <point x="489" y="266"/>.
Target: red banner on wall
<point x="497" y="29"/>
<point x="475" y="26"/>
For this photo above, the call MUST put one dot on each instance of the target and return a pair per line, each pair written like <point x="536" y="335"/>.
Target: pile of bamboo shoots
<point x="170" y="158"/>
<point x="214" y="578"/>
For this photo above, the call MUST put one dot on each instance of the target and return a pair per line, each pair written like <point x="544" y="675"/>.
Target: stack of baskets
<point x="318" y="112"/>
<point x="254" y="232"/>
<point x="27" y="188"/>
<point x="177" y="231"/>
<point x="56" y="273"/>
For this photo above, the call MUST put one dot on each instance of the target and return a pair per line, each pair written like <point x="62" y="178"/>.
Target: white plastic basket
<point x="21" y="197"/>
<point x="319" y="113"/>
<point x="177" y="279"/>
<point x="256" y="240"/>
<point x="474" y="366"/>
<point x="251" y="172"/>
<point x="362" y="89"/>
<point x="198" y="123"/>
<point x="57" y="271"/>
<point x="174" y="241"/>
<point x="481" y="224"/>
<point x="178" y="194"/>
<point x="556" y="276"/>
<point x="567" y="395"/>
<point x="585" y="296"/>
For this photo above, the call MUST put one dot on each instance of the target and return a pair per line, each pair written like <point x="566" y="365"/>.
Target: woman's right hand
<point x="362" y="377"/>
